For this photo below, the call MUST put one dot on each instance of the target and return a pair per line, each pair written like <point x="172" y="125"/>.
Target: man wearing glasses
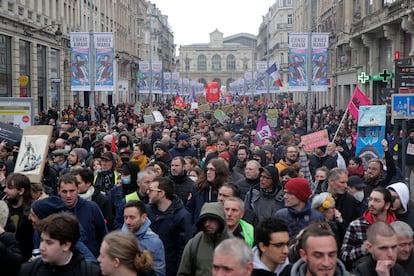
<point x="379" y="209"/>
<point x="169" y="219"/>
<point x="272" y="249"/>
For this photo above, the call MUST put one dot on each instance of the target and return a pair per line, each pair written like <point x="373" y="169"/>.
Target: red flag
<point x="179" y="102"/>
<point x="356" y="101"/>
<point x="113" y="145"/>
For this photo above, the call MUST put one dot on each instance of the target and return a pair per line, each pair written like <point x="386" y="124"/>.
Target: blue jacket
<point x="174" y="229"/>
<point x="197" y="200"/>
<point x="92" y="221"/>
<point x="119" y="214"/>
<point x="150" y="241"/>
<point x="297" y="220"/>
<point x="183" y="152"/>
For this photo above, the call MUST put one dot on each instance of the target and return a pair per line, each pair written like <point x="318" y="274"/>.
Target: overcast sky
<point x="193" y="20"/>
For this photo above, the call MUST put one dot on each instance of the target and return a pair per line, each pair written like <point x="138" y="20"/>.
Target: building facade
<point x="222" y="60"/>
<point x="35" y="47"/>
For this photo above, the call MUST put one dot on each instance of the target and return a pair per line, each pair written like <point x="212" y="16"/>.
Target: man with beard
<point x="170" y="220"/>
<point x="182" y="183"/>
<point x="137" y="222"/>
<point x="161" y="154"/>
<point x="252" y="179"/>
<point x="375" y="176"/>
<point x="400" y="198"/>
<point x="290" y="160"/>
<point x="105" y="180"/>
<point x="405" y="253"/>
<point x="379" y="209"/>
<point x="197" y="257"/>
<point x="381" y="244"/>
<point x="345" y="203"/>
<point x="242" y="158"/>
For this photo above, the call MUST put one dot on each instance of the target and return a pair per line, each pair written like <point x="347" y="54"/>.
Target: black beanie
<point x="47" y="206"/>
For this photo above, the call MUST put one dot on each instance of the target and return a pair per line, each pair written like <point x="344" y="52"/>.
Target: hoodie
<point x="204" y="243"/>
<point x="260" y="267"/>
<point x="150" y="241"/>
<point x="300" y="267"/>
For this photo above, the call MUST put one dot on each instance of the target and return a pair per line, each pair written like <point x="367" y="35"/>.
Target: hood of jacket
<point x="403" y="193"/>
<point x="258" y="264"/>
<point x="300" y="267"/>
<point x="368" y="216"/>
<point x="212" y="210"/>
<point x="141" y="232"/>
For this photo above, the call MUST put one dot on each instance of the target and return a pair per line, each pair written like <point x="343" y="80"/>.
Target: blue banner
<point x="79" y="44"/>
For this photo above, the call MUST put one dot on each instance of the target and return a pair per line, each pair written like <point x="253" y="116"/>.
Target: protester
<point x="234" y="212"/>
<point x="232" y="257"/>
<point x="400" y="203"/>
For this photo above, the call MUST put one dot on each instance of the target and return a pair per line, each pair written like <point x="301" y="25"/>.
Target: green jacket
<point x="248" y="232"/>
<point x="197" y="258"/>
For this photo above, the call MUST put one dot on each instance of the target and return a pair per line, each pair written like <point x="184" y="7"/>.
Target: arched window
<point x="216" y="64"/>
<point x="231" y="63"/>
<point x="202" y="63"/>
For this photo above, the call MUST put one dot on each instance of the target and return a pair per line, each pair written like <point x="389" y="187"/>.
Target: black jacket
<point x="11" y="256"/>
<point x="366" y="266"/>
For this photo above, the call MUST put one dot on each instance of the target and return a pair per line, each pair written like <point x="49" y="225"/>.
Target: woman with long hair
<point x="120" y="255"/>
<point x="214" y="175"/>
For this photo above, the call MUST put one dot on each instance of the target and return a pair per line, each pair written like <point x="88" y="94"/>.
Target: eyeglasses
<point x="279" y="244"/>
<point x="265" y="176"/>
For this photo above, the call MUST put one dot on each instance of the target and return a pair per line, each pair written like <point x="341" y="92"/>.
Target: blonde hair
<point x="124" y="246"/>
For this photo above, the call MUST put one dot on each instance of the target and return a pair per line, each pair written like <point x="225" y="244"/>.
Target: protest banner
<point x="314" y="140"/>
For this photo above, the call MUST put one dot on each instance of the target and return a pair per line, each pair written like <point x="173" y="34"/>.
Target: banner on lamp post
<point x="80" y="66"/>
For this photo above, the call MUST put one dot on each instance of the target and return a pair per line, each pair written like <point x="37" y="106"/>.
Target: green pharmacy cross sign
<point x="385" y="76"/>
<point x="363" y="77"/>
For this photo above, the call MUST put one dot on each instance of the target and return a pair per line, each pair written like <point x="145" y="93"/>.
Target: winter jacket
<point x="366" y="266"/>
<point x="300" y="267"/>
<point x="260" y="269"/>
<point x="150" y="241"/>
<point x="245" y="184"/>
<point x="201" y="262"/>
<point x="76" y="266"/>
<point x="263" y="203"/>
<point x="119" y="214"/>
<point x="11" y="256"/>
<point x="183" y="152"/>
<point x="297" y="220"/>
<point x="197" y="200"/>
<point x="174" y="229"/>
<point x="92" y="221"/>
<point x="183" y="186"/>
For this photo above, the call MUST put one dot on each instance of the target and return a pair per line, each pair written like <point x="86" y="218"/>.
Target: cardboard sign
<point x="149" y="119"/>
<point x="10" y="134"/>
<point x="203" y="108"/>
<point x="228" y="109"/>
<point x="33" y="151"/>
<point x="158" y="116"/>
<point x="314" y="140"/>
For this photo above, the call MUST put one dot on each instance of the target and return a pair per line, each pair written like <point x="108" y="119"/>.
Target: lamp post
<point x="92" y="60"/>
<point x="267" y="55"/>
<point x="309" y="67"/>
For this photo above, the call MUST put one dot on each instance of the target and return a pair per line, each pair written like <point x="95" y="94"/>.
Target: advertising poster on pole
<point x="248" y="76"/>
<point x="371" y="131"/>
<point x="297" y="62"/>
<point x="157" y="77"/>
<point x="104" y="62"/>
<point x="143" y="77"/>
<point x="260" y="77"/>
<point x="175" y="79"/>
<point x="167" y="83"/>
<point x="80" y="66"/>
<point x="320" y="43"/>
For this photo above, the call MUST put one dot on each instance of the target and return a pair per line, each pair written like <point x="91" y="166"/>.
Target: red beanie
<point x="225" y="155"/>
<point x="299" y="187"/>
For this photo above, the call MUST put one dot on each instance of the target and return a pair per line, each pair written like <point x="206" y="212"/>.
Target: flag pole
<point x="340" y="124"/>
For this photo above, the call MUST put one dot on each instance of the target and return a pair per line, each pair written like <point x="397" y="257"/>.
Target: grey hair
<point x="256" y="163"/>
<point x="402" y="229"/>
<point x="335" y="173"/>
<point x="236" y="199"/>
<point x="141" y="174"/>
<point x="238" y="248"/>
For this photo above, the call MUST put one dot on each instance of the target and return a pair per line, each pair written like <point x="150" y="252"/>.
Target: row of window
<point x="215" y="63"/>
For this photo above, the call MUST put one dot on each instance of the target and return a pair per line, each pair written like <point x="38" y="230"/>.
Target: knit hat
<point x="268" y="148"/>
<point x="211" y="148"/>
<point x="81" y="153"/>
<point x="225" y="155"/>
<point x="161" y="146"/>
<point x="47" y="206"/>
<point x="4" y="213"/>
<point x="183" y="137"/>
<point x="299" y="187"/>
<point x="403" y="193"/>
<point x="323" y="201"/>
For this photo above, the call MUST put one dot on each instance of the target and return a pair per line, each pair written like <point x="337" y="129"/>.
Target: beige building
<point x="34" y="45"/>
<point x="222" y="60"/>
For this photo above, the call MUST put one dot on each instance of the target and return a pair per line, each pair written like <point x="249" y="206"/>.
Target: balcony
<point x="281" y="26"/>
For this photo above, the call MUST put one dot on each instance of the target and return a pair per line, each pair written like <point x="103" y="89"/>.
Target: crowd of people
<point x="194" y="195"/>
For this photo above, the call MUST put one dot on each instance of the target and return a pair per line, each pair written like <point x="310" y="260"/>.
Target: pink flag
<point x="263" y="131"/>
<point x="356" y="101"/>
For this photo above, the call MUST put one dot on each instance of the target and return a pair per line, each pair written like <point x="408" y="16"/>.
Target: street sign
<point x="402" y="106"/>
<point x="404" y="76"/>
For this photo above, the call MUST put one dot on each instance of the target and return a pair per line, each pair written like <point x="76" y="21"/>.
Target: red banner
<point x="212" y="92"/>
<point x="357" y="100"/>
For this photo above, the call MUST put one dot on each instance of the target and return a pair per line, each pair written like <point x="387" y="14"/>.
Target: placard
<point x="33" y="152"/>
<point x="315" y="140"/>
<point x="203" y="108"/>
